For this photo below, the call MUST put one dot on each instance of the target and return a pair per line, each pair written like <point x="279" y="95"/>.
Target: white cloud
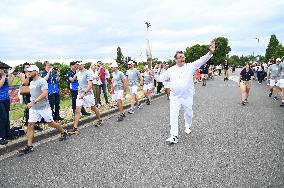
<point x="64" y="29"/>
<point x="94" y="29"/>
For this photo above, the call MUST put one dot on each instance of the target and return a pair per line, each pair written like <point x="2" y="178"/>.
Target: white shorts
<point x="272" y="82"/>
<point x="87" y="101"/>
<point x="280" y="83"/>
<point x="36" y="115"/>
<point x="148" y="87"/>
<point x="133" y="89"/>
<point x="204" y="76"/>
<point x="166" y="84"/>
<point x="117" y="95"/>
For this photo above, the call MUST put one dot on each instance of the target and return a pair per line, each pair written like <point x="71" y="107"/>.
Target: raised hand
<point x="11" y="71"/>
<point x="212" y="47"/>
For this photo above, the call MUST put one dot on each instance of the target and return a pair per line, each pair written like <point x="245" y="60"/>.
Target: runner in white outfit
<point x="182" y="89"/>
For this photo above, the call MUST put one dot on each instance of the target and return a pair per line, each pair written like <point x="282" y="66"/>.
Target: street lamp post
<point x="148" y="50"/>
<point x="257" y="56"/>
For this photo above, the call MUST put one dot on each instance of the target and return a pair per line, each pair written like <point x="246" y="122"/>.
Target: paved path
<point x="230" y="146"/>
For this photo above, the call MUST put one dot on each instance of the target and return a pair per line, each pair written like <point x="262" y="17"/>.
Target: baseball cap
<point x="130" y="63"/>
<point x="114" y="65"/>
<point x="73" y="63"/>
<point x="33" y="68"/>
<point x="4" y="65"/>
<point x="80" y="63"/>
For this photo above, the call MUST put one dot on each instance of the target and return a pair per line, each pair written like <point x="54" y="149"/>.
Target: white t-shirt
<point x="181" y="84"/>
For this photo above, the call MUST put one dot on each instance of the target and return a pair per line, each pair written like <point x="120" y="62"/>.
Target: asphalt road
<point x="230" y="146"/>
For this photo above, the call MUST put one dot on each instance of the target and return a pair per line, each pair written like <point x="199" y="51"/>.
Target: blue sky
<point x="64" y="29"/>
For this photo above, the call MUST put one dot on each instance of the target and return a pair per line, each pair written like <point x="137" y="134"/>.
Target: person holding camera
<point x="6" y="79"/>
<point x="52" y="77"/>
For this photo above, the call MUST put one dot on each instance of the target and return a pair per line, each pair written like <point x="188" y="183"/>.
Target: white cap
<point x="130" y="63"/>
<point x="33" y="68"/>
<point x="80" y="63"/>
<point x="114" y="65"/>
<point x="278" y="59"/>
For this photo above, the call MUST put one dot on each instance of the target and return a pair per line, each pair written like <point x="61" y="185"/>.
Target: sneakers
<point x="282" y="104"/>
<point x="120" y="118"/>
<point x="3" y="141"/>
<point x="139" y="106"/>
<point x="246" y="100"/>
<point x="38" y="128"/>
<point x="63" y="136"/>
<point x="187" y="130"/>
<point x="59" y="119"/>
<point x="275" y="98"/>
<point x="26" y="150"/>
<point x="270" y="94"/>
<point x="243" y="103"/>
<point x="148" y="102"/>
<point x="73" y="131"/>
<point x="172" y="140"/>
<point x="99" y="123"/>
<point x="86" y="113"/>
<point x="131" y="111"/>
<point x="168" y="97"/>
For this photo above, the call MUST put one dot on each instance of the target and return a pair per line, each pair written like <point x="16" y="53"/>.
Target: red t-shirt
<point x="102" y="72"/>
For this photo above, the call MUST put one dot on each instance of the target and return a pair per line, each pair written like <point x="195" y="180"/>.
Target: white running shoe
<point x="187" y="130"/>
<point x="172" y="140"/>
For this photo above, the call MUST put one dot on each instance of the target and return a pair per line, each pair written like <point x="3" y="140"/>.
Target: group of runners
<point x="181" y="94"/>
<point x="274" y="71"/>
<point x="178" y="82"/>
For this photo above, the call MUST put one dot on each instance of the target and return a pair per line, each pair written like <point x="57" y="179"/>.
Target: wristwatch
<point x="35" y="101"/>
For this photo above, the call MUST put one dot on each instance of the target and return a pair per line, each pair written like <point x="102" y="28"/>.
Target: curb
<point x="22" y="141"/>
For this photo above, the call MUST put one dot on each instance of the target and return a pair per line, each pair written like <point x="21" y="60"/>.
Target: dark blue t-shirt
<point x="204" y="69"/>
<point x="4" y="90"/>
<point x="226" y="66"/>
<point x="246" y="76"/>
<point x="72" y="85"/>
<point x="52" y="83"/>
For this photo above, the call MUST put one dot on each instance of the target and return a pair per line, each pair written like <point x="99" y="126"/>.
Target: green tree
<point x="170" y="62"/>
<point x="234" y="60"/>
<point x="120" y="60"/>
<point x="141" y="65"/>
<point x="63" y="69"/>
<point x="279" y="51"/>
<point x="39" y="65"/>
<point x="88" y="65"/>
<point x="156" y="61"/>
<point x="221" y="51"/>
<point x="18" y="68"/>
<point x="195" y="52"/>
<point x="271" y="48"/>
